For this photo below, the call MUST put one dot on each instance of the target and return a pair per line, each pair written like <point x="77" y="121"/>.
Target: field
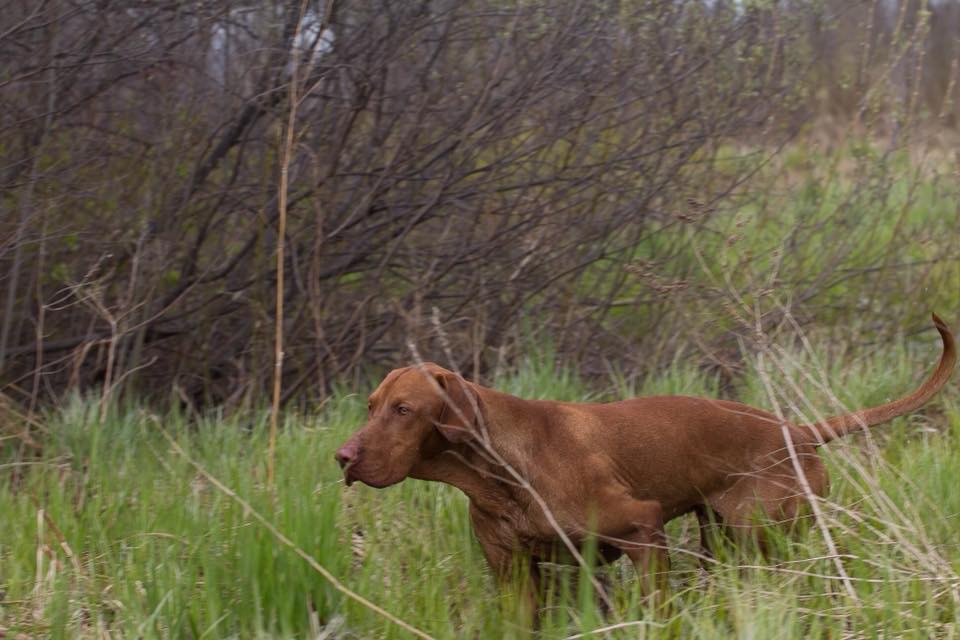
<point x="218" y="216"/>
<point x="122" y="528"/>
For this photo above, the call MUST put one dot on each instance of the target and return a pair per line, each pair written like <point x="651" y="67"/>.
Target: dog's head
<point x="414" y="414"/>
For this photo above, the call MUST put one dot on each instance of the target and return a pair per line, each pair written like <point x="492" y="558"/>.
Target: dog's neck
<point x="487" y="475"/>
<point x="484" y="482"/>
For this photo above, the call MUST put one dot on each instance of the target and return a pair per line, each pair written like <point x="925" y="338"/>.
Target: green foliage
<point x="859" y="238"/>
<point x="112" y="531"/>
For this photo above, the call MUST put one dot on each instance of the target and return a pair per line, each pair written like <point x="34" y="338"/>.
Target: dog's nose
<point x="345" y="455"/>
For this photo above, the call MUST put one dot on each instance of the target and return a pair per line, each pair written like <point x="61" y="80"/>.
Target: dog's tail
<point x="842" y="425"/>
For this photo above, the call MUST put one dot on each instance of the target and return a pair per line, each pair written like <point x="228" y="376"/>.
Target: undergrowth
<point x="112" y="532"/>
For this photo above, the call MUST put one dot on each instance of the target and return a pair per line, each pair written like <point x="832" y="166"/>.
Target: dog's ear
<point x="457" y="421"/>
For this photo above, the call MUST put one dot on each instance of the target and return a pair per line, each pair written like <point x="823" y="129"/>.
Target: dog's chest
<point x="539" y="535"/>
<point x="525" y="523"/>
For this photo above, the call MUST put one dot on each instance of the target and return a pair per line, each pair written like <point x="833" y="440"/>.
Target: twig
<point x="281" y="236"/>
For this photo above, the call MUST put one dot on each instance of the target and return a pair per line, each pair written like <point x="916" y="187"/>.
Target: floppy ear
<point x="458" y="417"/>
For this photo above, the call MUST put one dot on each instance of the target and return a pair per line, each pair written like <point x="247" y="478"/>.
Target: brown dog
<point x="541" y="476"/>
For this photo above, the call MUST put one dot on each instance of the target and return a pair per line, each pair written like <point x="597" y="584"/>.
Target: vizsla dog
<point x="536" y="469"/>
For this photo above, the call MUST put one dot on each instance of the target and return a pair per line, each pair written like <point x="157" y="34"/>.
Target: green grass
<point x="841" y="237"/>
<point x="113" y="533"/>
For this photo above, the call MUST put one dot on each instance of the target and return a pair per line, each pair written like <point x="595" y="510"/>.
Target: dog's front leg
<point x="512" y="568"/>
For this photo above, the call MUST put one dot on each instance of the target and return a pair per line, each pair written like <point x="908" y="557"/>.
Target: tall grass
<point x="113" y="533"/>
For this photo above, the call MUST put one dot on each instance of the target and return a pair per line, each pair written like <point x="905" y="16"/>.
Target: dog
<point x="542" y="476"/>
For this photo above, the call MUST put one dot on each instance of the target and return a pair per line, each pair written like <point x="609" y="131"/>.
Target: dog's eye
<point x="403" y="410"/>
<point x="369" y="407"/>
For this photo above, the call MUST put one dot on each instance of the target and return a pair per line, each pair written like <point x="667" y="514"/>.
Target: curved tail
<point x="842" y="425"/>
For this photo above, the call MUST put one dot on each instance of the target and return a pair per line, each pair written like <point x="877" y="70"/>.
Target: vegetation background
<point x="754" y="200"/>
